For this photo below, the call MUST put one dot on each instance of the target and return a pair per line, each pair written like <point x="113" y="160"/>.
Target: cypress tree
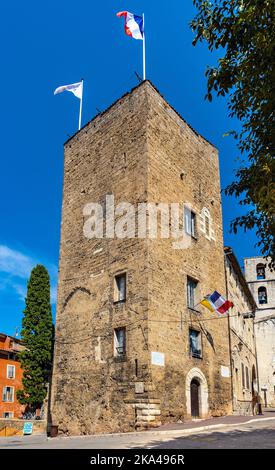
<point x="37" y="336"/>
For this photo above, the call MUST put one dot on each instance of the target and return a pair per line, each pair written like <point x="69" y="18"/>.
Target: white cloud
<point x="15" y="269"/>
<point x="20" y="289"/>
<point x="15" y="263"/>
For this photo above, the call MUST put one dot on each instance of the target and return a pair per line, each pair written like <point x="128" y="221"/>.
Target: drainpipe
<point x="229" y="332"/>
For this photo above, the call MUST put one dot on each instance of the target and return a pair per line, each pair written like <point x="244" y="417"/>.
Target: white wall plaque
<point x="139" y="387"/>
<point x="225" y="371"/>
<point x="157" y="358"/>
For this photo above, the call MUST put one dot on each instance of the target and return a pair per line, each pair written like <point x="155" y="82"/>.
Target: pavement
<point x="228" y="432"/>
<point x="223" y="420"/>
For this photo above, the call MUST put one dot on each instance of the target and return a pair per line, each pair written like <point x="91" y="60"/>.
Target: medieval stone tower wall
<point x="139" y="150"/>
<point x="89" y="386"/>
<point x="184" y="168"/>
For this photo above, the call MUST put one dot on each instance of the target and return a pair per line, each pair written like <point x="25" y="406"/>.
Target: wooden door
<point x="195" y="404"/>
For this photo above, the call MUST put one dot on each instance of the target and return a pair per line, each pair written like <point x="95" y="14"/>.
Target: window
<point x="243" y="378"/>
<point x="120" y="342"/>
<point x="8" y="414"/>
<point x="8" y="394"/>
<point x="191" y="292"/>
<point x="260" y="269"/>
<point x="262" y="295"/>
<point x="10" y="372"/>
<point x="195" y="343"/>
<point x="190" y="222"/>
<point x="120" y="288"/>
<point x="247" y="378"/>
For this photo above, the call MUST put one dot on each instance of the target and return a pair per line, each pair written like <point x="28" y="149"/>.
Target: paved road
<point x="247" y="436"/>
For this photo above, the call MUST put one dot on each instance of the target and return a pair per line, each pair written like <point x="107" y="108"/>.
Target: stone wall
<point x="265" y="339"/>
<point x="243" y="341"/>
<point x="180" y="167"/>
<point x="39" y="426"/>
<point x="264" y="327"/>
<point x="90" y="386"/>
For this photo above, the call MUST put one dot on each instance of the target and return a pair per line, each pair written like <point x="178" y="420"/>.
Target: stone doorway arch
<point x="196" y="384"/>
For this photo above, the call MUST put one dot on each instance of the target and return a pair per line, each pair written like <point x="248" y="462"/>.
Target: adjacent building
<point x="241" y="338"/>
<point x="10" y="377"/>
<point x="133" y="349"/>
<point x="261" y="281"/>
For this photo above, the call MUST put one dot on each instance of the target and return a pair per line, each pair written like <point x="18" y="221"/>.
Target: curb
<point x="166" y="432"/>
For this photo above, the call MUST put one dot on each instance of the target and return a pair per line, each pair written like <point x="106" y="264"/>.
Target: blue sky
<point x="44" y="46"/>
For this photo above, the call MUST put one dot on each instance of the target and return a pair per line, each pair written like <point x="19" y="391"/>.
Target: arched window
<point x="262" y="295"/>
<point x="260" y="269"/>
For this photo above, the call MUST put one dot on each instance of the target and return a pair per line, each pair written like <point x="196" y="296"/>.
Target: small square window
<point x="120" y="342"/>
<point x="195" y="343"/>
<point x="8" y="414"/>
<point x="191" y="292"/>
<point x="10" y="372"/>
<point x="120" y="288"/>
<point x="190" y="222"/>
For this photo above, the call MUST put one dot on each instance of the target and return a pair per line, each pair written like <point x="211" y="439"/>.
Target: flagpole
<point x="143" y="49"/>
<point x="80" y="108"/>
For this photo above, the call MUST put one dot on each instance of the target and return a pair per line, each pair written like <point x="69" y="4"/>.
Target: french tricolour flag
<point x="215" y="302"/>
<point x="133" y="24"/>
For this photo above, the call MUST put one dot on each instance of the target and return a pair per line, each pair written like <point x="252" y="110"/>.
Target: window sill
<point x="194" y="237"/>
<point x="194" y="356"/>
<point x="122" y="358"/>
<point x="119" y="302"/>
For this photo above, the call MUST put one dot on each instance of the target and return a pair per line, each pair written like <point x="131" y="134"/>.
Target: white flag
<point x="75" y="88"/>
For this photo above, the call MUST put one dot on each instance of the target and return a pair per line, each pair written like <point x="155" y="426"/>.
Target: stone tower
<point x="133" y="348"/>
<point x="261" y="281"/>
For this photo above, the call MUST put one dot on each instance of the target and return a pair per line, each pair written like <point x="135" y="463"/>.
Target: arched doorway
<point x="196" y="390"/>
<point x="195" y="398"/>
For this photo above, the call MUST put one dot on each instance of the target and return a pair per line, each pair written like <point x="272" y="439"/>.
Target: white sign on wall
<point x="139" y="387"/>
<point x="225" y="371"/>
<point x="157" y="358"/>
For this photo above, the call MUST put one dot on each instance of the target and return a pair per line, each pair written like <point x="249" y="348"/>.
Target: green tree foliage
<point x="244" y="31"/>
<point x="37" y="335"/>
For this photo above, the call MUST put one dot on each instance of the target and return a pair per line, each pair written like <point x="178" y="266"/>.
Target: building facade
<point x="133" y="348"/>
<point x="10" y="377"/>
<point x="242" y="338"/>
<point x="261" y="281"/>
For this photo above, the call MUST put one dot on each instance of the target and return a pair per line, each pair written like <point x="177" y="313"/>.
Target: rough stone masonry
<point x="139" y="150"/>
